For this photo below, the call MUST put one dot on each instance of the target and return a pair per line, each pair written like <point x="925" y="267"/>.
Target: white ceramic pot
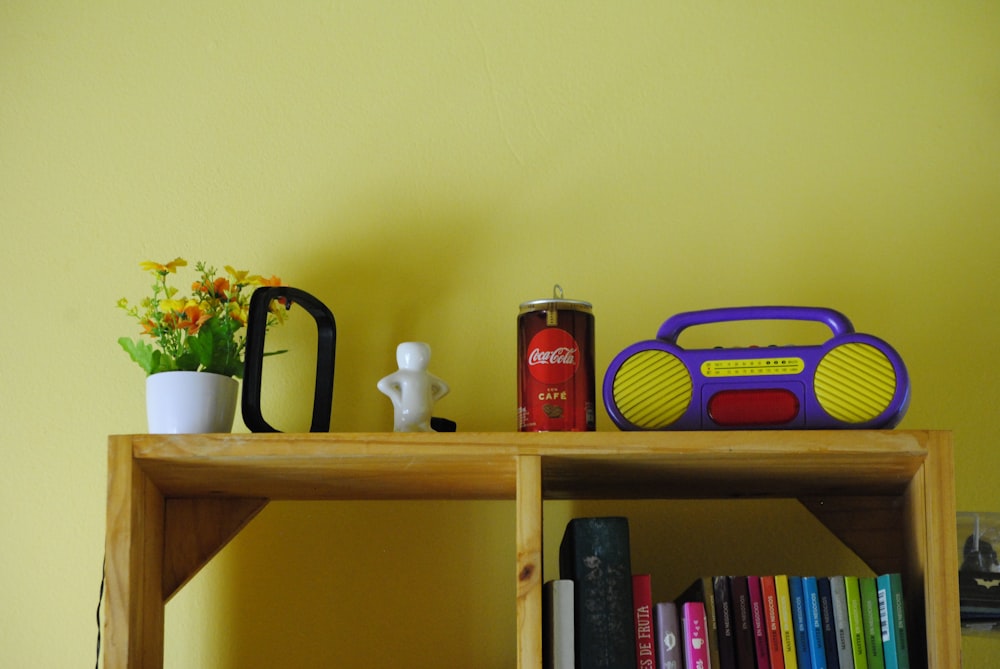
<point x="190" y="402"/>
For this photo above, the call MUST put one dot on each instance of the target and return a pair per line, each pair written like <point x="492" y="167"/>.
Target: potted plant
<point x="191" y="346"/>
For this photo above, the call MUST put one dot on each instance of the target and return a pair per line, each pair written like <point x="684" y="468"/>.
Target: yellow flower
<point x="171" y="306"/>
<point x="239" y="276"/>
<point x="171" y="266"/>
<point x="239" y="313"/>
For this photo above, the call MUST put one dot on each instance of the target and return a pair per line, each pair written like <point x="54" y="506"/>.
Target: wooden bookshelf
<point x="175" y="500"/>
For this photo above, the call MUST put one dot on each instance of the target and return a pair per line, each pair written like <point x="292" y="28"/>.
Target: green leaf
<point x="213" y="350"/>
<point x="201" y="346"/>
<point x="140" y="352"/>
<point x="186" y="362"/>
<point x="151" y="360"/>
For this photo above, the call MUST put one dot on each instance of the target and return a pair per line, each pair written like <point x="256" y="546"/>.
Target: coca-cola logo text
<point x="553" y="356"/>
<point x="563" y="355"/>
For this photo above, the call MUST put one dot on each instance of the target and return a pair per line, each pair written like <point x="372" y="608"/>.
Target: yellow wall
<point x="422" y="168"/>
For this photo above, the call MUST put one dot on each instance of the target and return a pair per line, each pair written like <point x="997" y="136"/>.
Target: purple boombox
<point x="853" y="380"/>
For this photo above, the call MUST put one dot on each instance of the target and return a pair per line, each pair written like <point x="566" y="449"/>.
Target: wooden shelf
<point x="175" y="500"/>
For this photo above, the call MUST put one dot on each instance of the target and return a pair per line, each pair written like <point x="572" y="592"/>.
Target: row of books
<point x="800" y="622"/>
<point x="598" y="615"/>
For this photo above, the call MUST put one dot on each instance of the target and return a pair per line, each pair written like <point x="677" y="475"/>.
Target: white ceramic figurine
<point x="412" y="389"/>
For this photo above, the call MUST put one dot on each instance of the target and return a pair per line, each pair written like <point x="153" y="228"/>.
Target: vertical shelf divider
<point x="529" y="561"/>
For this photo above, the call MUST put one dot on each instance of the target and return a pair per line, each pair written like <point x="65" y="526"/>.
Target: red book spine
<point x="642" y="600"/>
<point x="772" y="622"/>
<point x="757" y="619"/>
<point x="695" y="631"/>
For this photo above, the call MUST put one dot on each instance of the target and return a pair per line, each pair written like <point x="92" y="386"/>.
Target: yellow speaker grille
<point x="652" y="389"/>
<point x="855" y="382"/>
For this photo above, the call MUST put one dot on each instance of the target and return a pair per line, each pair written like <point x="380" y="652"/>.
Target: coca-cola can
<point x="555" y="372"/>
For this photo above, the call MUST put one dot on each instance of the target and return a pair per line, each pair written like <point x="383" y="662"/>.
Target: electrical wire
<point x="100" y="599"/>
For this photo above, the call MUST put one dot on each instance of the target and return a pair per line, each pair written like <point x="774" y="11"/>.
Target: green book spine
<point x="872" y="623"/>
<point x="852" y="587"/>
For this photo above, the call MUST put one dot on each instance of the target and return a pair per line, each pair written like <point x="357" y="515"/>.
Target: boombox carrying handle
<point x="673" y="326"/>
<point x="260" y="303"/>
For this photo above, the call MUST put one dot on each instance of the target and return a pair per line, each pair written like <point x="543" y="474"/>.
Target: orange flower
<point x="282" y="303"/>
<point x="273" y="281"/>
<point x="218" y="289"/>
<point x="191" y="319"/>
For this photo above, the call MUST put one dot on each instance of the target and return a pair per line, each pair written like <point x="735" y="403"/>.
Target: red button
<point x="736" y="408"/>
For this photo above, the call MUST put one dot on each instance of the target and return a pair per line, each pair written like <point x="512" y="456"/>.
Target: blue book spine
<point x="799" y="621"/>
<point x="892" y="619"/>
<point x="830" y="644"/>
<point x="814" y="623"/>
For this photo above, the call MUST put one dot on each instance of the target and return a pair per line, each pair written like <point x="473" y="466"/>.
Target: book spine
<point x="814" y="622"/>
<point x="711" y="621"/>
<point x="739" y="592"/>
<point x="773" y="623"/>
<point x="667" y="628"/>
<point x="757" y="617"/>
<point x="789" y="649"/>
<point x="724" y="623"/>
<point x="642" y="602"/>
<point x="826" y="622"/>
<point x="872" y="624"/>
<point x="893" y="620"/>
<point x="557" y="614"/>
<point x="884" y="614"/>
<point x="899" y="619"/>
<point x="694" y="625"/>
<point x="841" y="624"/>
<point x="594" y="554"/>
<point x="799" y="621"/>
<point x="702" y="590"/>
<point x="854" y="617"/>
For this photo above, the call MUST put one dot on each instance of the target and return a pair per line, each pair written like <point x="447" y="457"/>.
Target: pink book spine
<point x="695" y="631"/>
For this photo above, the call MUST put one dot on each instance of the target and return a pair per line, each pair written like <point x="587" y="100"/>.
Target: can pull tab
<point x="552" y="313"/>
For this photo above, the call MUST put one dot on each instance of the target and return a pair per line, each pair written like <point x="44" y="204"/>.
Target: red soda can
<point x="555" y="372"/>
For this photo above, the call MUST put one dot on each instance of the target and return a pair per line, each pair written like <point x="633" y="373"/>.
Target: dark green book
<point x="594" y="554"/>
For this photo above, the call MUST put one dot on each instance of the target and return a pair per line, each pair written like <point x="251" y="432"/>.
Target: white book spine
<point x="559" y="625"/>
<point x="838" y="598"/>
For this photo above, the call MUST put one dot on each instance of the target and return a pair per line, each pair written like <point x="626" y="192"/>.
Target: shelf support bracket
<point x="196" y="529"/>
<point x="872" y="527"/>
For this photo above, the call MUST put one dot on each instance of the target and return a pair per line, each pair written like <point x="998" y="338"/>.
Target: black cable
<point x="100" y="598"/>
